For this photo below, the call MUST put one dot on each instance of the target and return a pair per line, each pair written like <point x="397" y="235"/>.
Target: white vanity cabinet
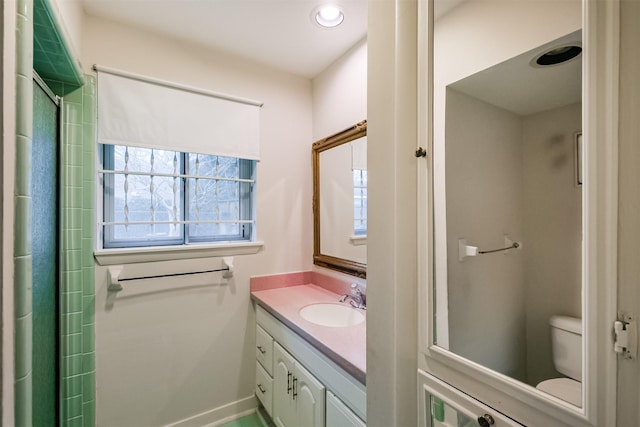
<point x="264" y="369"/>
<point x="317" y="394"/>
<point x="298" y="397"/>
<point x="338" y="415"/>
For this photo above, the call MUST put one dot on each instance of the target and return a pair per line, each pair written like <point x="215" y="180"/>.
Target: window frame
<point x="246" y="210"/>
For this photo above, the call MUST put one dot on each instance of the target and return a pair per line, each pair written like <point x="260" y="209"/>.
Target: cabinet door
<point x="338" y="415"/>
<point x="283" y="403"/>
<point x="443" y="406"/>
<point x="309" y="397"/>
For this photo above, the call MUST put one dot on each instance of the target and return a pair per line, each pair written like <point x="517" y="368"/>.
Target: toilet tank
<point x="566" y="345"/>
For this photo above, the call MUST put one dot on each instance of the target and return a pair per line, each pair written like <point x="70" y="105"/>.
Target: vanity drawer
<point x="264" y="388"/>
<point x="264" y="349"/>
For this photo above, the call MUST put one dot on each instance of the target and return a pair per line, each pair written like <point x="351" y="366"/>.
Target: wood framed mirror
<point x="340" y="201"/>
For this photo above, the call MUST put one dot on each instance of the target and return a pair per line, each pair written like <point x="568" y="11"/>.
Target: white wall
<point x="71" y="18"/>
<point x="478" y="34"/>
<point x="553" y="230"/>
<point x="484" y="202"/>
<point x="172" y="349"/>
<point x="340" y="93"/>
<point x="339" y="102"/>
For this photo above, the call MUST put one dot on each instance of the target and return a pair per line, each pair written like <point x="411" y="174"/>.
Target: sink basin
<point x="329" y="314"/>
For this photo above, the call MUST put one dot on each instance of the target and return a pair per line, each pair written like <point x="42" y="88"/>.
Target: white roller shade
<point x="143" y="112"/>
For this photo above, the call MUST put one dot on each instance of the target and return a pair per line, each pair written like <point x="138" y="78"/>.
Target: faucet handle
<point x="359" y="296"/>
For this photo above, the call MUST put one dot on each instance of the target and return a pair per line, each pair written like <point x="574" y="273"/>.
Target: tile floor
<point x="253" y="420"/>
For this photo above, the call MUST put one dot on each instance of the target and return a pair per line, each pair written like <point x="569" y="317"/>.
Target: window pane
<point x="141" y="204"/>
<point x="139" y="159"/>
<point x="219" y="166"/>
<point x="142" y="198"/>
<point x="360" y="201"/>
<point x="215" y="200"/>
<point x="162" y="204"/>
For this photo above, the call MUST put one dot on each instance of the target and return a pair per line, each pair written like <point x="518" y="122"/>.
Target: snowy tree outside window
<point x="157" y="197"/>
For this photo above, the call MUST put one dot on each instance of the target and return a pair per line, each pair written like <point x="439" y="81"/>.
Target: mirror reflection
<point x="340" y="201"/>
<point x="343" y="201"/>
<point x="507" y="190"/>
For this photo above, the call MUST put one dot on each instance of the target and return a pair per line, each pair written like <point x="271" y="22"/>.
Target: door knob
<point x="486" y="420"/>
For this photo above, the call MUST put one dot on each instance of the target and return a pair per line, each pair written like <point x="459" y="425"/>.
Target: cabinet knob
<point x="486" y="420"/>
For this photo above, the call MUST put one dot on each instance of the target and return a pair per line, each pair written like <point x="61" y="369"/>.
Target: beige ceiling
<point x="517" y="86"/>
<point x="276" y="33"/>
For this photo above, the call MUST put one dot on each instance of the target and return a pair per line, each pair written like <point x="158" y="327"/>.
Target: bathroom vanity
<point x="309" y="374"/>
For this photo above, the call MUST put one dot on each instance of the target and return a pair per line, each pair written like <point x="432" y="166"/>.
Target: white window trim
<point x="358" y="239"/>
<point x="121" y="256"/>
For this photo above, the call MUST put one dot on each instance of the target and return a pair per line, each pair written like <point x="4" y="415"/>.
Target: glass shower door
<point x="44" y="179"/>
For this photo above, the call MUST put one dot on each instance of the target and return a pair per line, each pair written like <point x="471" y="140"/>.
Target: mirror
<point x="507" y="194"/>
<point x="340" y="201"/>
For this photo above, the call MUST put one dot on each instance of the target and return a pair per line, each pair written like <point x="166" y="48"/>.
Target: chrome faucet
<point x="358" y="299"/>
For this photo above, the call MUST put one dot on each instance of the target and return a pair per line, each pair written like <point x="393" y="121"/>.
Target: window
<point x="159" y="197"/>
<point x="359" y="202"/>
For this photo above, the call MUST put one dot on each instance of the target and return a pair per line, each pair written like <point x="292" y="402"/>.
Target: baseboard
<point x="220" y="415"/>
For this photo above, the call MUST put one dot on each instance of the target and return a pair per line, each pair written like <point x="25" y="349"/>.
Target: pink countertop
<point x="346" y="346"/>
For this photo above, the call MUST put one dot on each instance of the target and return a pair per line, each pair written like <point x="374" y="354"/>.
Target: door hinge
<point x="625" y="336"/>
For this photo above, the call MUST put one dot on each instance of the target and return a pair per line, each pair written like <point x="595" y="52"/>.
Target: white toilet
<point x="566" y="346"/>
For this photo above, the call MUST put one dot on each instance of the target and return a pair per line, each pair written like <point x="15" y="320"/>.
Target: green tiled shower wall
<point x="77" y="175"/>
<point x="22" y="261"/>
<point x="77" y="297"/>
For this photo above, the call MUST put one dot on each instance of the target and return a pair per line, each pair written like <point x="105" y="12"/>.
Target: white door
<point x="283" y="403"/>
<point x="629" y="205"/>
<point x="497" y="253"/>
<point x="309" y="395"/>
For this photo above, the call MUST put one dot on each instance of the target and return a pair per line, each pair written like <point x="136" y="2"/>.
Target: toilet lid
<point x="564" y="388"/>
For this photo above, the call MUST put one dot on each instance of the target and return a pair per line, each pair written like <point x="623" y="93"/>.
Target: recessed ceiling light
<point x="329" y="16"/>
<point x="558" y="55"/>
